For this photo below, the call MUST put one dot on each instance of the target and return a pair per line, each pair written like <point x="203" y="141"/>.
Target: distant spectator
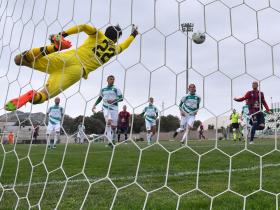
<point x="11" y="137"/>
<point x="201" y="131"/>
<point x="35" y="133"/>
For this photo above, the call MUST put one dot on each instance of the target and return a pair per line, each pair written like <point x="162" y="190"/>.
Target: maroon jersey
<point x="255" y="102"/>
<point x="123" y="119"/>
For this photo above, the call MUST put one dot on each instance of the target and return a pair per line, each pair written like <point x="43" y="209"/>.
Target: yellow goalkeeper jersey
<point x="234" y="117"/>
<point x="98" y="49"/>
<point x="66" y="68"/>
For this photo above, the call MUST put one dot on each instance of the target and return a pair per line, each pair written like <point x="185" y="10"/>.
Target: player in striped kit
<point x="81" y="133"/>
<point x="55" y="114"/>
<point x="245" y="120"/>
<point x="150" y="113"/>
<point x="111" y="96"/>
<point x="189" y="106"/>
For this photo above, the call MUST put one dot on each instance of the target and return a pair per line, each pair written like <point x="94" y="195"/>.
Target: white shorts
<point x="187" y="120"/>
<point x="245" y="123"/>
<point x="150" y="124"/>
<point x="53" y="127"/>
<point x="80" y="135"/>
<point x="111" y="115"/>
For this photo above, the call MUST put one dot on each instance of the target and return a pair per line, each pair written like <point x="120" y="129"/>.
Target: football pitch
<point x="207" y="175"/>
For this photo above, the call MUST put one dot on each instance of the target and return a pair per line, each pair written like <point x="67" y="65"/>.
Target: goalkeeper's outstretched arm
<point x="58" y="43"/>
<point x="88" y="29"/>
<point x="121" y="47"/>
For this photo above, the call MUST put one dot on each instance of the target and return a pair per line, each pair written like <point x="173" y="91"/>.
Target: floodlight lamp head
<point x="187" y="27"/>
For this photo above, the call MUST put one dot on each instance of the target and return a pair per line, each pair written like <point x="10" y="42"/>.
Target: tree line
<point x="96" y="123"/>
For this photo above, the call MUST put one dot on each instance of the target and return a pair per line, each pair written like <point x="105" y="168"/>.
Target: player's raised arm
<point x="121" y="47"/>
<point x="61" y="43"/>
<point x="247" y="95"/>
<point x="88" y="29"/>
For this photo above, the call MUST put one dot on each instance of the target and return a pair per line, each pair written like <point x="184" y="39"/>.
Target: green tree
<point x="95" y="124"/>
<point x="138" y="123"/>
<point x="169" y="123"/>
<point x="68" y="124"/>
<point x="211" y="127"/>
<point x="196" y="124"/>
<point x="23" y="123"/>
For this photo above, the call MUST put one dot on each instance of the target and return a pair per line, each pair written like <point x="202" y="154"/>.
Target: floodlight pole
<point x="271" y="103"/>
<point x="187" y="27"/>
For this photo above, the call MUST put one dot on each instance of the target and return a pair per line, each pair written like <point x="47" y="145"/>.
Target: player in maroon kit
<point x="123" y="123"/>
<point x="201" y="131"/>
<point x="255" y="100"/>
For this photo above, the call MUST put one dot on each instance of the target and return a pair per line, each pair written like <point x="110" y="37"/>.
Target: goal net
<point x="242" y="45"/>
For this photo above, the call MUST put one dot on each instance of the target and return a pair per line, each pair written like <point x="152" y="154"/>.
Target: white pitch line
<point x="9" y="186"/>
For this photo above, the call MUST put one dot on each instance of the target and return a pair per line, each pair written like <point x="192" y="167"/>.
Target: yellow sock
<point x="36" y="53"/>
<point x="234" y="135"/>
<point x="238" y="134"/>
<point x="39" y="98"/>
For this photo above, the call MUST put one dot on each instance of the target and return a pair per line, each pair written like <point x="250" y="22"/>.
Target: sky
<point x="242" y="45"/>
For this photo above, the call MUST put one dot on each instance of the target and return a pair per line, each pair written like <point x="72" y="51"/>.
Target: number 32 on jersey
<point x="103" y="51"/>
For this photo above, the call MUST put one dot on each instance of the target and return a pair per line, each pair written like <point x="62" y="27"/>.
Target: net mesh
<point x="242" y="45"/>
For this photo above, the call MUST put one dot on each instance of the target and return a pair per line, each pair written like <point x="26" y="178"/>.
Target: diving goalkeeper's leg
<point x="32" y="96"/>
<point x="28" y="58"/>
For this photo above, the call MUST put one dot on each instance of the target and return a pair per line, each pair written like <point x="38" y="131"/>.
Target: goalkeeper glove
<point x="59" y="42"/>
<point x="134" y="31"/>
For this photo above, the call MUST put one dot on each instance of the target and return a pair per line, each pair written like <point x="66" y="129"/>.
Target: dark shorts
<point x="257" y="119"/>
<point x="235" y="125"/>
<point x="122" y="129"/>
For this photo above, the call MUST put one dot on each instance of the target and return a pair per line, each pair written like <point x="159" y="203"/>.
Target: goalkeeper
<point x="66" y="68"/>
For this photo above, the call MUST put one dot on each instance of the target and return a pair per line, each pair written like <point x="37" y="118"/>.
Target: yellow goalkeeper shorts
<point x="64" y="70"/>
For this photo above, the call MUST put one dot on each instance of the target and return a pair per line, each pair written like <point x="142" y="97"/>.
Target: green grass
<point x="98" y="177"/>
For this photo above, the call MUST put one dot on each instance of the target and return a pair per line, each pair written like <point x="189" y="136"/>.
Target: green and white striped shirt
<point x="190" y="104"/>
<point x="150" y="113"/>
<point x="111" y="93"/>
<point x="245" y="112"/>
<point x="55" y="114"/>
